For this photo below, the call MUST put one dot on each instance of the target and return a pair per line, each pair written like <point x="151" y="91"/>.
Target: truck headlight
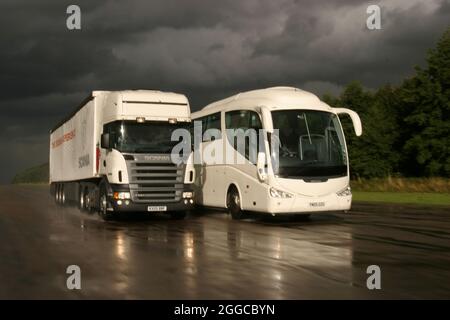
<point x="347" y="191"/>
<point x="187" y="195"/>
<point x="122" y="195"/>
<point x="276" y="193"/>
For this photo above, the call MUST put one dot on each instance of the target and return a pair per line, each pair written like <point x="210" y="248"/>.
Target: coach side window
<point x="245" y="120"/>
<point x="211" y="121"/>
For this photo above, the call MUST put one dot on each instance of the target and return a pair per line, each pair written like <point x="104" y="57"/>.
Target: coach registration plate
<point x="156" y="208"/>
<point x="317" y="204"/>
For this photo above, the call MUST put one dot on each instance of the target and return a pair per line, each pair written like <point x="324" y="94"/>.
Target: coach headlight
<point x="276" y="193"/>
<point x="347" y="191"/>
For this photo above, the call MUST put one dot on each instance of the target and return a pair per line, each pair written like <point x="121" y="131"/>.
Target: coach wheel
<point x="234" y="204"/>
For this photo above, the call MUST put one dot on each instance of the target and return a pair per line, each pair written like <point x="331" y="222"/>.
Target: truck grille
<point x="156" y="180"/>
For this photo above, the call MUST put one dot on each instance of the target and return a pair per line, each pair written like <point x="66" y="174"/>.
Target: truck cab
<point x="135" y="153"/>
<point x="129" y="138"/>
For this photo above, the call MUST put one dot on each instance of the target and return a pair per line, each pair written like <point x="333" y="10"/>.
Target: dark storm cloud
<point x="205" y="49"/>
<point x="335" y="45"/>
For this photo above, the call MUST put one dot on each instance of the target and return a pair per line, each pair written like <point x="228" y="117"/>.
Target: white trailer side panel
<point x="73" y="146"/>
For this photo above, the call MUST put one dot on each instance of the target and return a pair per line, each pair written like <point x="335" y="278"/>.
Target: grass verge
<point x="421" y="198"/>
<point x="392" y="184"/>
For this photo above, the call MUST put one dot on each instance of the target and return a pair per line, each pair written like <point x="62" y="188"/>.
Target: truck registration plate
<point x="156" y="208"/>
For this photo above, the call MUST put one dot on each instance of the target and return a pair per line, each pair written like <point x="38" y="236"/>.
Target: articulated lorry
<point x="113" y="154"/>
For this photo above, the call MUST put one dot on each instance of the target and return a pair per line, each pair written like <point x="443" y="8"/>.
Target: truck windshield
<point x="311" y="144"/>
<point x="147" y="137"/>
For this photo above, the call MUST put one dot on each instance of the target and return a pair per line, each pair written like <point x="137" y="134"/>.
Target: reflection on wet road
<point x="210" y="256"/>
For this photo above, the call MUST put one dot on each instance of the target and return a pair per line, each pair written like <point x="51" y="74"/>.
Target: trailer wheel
<point x="60" y="197"/>
<point x="88" y="203"/>
<point x="60" y="186"/>
<point x="103" y="205"/>
<point x="234" y="203"/>
<point x="81" y="199"/>
<point x="84" y="203"/>
<point x="57" y="193"/>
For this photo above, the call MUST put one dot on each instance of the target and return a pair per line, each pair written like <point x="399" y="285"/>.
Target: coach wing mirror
<point x="261" y="166"/>
<point x="355" y="119"/>
<point x="105" y="141"/>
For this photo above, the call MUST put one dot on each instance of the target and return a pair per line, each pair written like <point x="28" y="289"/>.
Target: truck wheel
<point x="178" y="215"/>
<point x="234" y="204"/>
<point x="103" y="205"/>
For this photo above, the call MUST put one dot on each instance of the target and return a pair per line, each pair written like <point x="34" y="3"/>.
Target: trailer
<point x="113" y="154"/>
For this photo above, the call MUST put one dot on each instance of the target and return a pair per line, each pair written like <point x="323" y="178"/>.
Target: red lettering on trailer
<point x="66" y="137"/>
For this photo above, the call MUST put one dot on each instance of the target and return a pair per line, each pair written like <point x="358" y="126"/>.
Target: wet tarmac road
<point x="210" y="256"/>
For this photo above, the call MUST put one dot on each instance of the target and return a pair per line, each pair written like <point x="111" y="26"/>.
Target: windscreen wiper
<point x="307" y="128"/>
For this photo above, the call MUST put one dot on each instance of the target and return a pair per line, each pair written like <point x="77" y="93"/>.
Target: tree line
<point x="406" y="128"/>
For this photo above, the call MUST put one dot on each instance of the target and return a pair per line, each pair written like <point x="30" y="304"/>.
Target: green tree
<point x="424" y="115"/>
<point x="371" y="155"/>
<point x="406" y="130"/>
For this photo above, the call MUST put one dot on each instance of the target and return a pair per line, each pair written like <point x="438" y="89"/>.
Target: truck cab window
<point x="148" y="137"/>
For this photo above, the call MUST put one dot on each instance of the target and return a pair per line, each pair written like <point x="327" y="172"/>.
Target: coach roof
<point x="283" y="97"/>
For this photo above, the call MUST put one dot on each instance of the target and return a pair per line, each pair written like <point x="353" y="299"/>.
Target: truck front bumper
<point x="139" y="207"/>
<point x="128" y="205"/>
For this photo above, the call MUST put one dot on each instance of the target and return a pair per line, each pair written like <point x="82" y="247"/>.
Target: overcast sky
<point x="203" y="48"/>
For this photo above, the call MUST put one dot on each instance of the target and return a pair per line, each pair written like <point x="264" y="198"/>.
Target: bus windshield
<point x="311" y="144"/>
<point x="147" y="137"/>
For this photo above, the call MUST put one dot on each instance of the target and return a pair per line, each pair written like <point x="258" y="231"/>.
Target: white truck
<point x="113" y="154"/>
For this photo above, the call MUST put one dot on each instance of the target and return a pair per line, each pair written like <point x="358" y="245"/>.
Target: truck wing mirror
<point x="261" y="166"/>
<point x="105" y="141"/>
<point x="355" y="119"/>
